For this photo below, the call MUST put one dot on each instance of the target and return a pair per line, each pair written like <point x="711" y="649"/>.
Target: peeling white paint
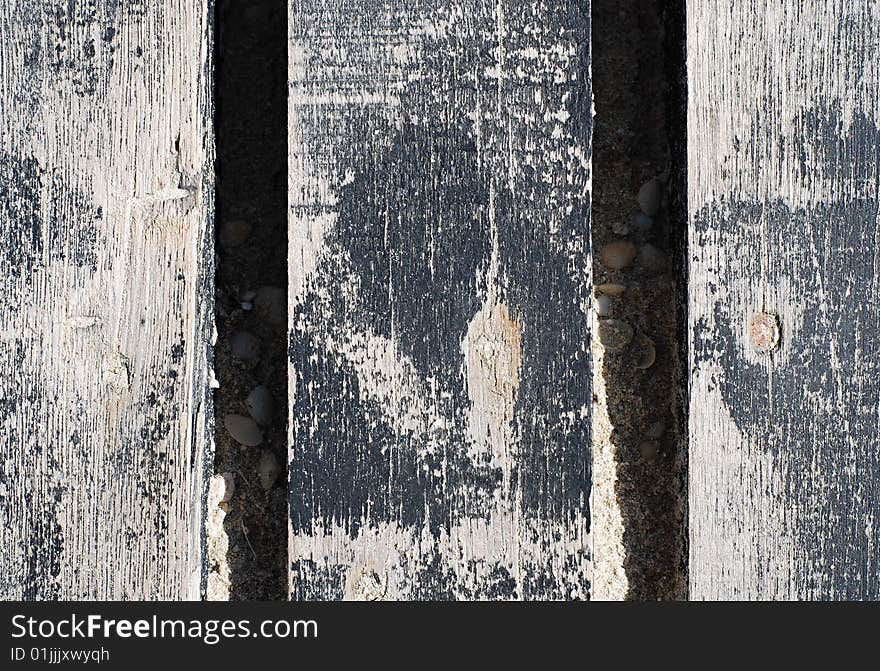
<point x="475" y="549"/>
<point x="112" y="302"/>
<point x="492" y="351"/>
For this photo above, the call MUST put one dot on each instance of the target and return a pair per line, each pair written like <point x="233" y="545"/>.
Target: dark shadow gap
<point x="251" y="293"/>
<point x="675" y="48"/>
<point x="638" y="238"/>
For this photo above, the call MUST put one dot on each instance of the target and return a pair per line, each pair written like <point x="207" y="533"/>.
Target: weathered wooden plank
<point x="439" y="294"/>
<point x="784" y="174"/>
<point x="106" y="250"/>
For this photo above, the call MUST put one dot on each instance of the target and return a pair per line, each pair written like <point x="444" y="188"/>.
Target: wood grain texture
<point x="784" y="175"/>
<point x="439" y="291"/>
<point x="106" y="250"/>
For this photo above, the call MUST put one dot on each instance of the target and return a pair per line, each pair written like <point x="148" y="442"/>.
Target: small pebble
<point x="656" y="430"/>
<point x="272" y="302"/>
<point x="222" y="488"/>
<point x="648" y="449"/>
<point x="652" y="259"/>
<point x="244" y="345"/>
<point x="620" y="227"/>
<point x="603" y="305"/>
<point x="615" y="334"/>
<point x="260" y="405"/>
<point x="642" y="222"/>
<point x="611" y="289"/>
<point x="617" y="255"/>
<point x="647" y="353"/>
<point x="243" y="429"/>
<point x="650" y="196"/>
<point x="234" y="232"/>
<point x="268" y="469"/>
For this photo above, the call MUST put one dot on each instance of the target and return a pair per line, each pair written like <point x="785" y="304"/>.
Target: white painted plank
<point x="440" y="386"/>
<point x="106" y="190"/>
<point x="784" y="200"/>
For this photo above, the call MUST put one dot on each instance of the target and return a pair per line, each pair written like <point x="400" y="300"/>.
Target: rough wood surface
<point x="106" y="253"/>
<point x="439" y="298"/>
<point x="784" y="174"/>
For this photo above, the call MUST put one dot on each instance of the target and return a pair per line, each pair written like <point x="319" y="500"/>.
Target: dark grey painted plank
<point x="105" y="249"/>
<point x="784" y="174"/>
<point x="439" y="292"/>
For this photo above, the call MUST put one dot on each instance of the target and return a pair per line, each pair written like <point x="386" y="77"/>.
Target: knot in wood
<point x="764" y="332"/>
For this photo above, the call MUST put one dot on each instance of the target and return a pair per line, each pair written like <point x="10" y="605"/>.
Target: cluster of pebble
<point x="248" y="432"/>
<point x="616" y="335"/>
<point x="247" y="428"/>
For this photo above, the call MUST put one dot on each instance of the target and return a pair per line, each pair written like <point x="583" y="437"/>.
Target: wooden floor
<point x="439" y="302"/>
